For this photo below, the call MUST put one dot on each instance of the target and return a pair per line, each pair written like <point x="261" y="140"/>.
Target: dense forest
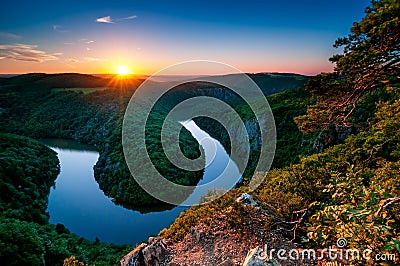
<point x="28" y="170"/>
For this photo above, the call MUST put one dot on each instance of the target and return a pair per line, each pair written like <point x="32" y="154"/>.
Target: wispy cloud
<point x="107" y="19"/>
<point x="127" y="18"/>
<point x="59" y="28"/>
<point x="88" y="42"/>
<point x="93" y="59"/>
<point x="25" y="52"/>
<point x="8" y="35"/>
<point x="84" y="60"/>
<point x="72" y="60"/>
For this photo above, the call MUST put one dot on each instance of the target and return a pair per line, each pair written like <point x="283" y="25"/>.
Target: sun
<point x="122" y="70"/>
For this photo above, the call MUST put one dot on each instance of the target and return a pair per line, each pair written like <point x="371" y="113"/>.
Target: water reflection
<point x="77" y="202"/>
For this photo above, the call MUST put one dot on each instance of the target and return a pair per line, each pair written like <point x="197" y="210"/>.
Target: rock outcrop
<point x="151" y="254"/>
<point x="217" y="241"/>
<point x="248" y="200"/>
<point x="135" y="257"/>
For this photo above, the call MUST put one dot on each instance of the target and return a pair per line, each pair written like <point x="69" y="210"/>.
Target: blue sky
<point x="254" y="36"/>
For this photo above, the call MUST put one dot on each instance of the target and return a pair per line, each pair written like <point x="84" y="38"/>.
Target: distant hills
<point x="65" y="80"/>
<point x="269" y="83"/>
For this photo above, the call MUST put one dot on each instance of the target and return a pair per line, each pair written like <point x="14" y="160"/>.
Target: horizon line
<point x="149" y="75"/>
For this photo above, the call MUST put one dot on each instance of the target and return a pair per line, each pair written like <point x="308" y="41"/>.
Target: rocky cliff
<point x="217" y="242"/>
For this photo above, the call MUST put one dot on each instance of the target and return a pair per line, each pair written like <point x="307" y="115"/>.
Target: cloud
<point x="128" y="18"/>
<point x="84" y="60"/>
<point x="59" y="28"/>
<point x="72" y="60"/>
<point x="25" y="52"/>
<point x="7" y="35"/>
<point x="88" y="42"/>
<point x="93" y="59"/>
<point x="106" y="19"/>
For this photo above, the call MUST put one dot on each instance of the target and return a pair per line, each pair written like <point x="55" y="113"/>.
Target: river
<point x="77" y="202"/>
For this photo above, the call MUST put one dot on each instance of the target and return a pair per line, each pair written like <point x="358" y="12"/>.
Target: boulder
<point x="135" y="257"/>
<point x="248" y="199"/>
<point x="155" y="252"/>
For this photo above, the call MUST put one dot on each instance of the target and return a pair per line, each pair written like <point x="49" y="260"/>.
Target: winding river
<point x="77" y="202"/>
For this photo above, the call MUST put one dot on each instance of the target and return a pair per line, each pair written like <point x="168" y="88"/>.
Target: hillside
<point x="344" y="198"/>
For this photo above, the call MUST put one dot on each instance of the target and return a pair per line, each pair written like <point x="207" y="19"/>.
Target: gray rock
<point x="135" y="257"/>
<point x="151" y="254"/>
<point x="247" y="199"/>
<point x="155" y="253"/>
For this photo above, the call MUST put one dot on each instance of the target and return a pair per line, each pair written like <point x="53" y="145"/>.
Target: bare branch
<point x="386" y="203"/>
<point x="296" y="223"/>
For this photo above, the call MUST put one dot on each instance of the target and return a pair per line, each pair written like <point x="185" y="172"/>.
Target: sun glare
<point x="122" y="70"/>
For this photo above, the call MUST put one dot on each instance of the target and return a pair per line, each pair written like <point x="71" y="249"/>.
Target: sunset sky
<point x="146" y="36"/>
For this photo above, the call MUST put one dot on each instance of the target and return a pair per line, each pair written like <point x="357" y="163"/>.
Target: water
<point x="77" y="202"/>
<point x="220" y="174"/>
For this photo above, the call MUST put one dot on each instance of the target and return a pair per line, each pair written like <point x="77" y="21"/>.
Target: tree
<point x="370" y="60"/>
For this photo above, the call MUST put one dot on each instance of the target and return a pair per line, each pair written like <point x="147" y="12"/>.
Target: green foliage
<point x="290" y="143"/>
<point x="345" y="186"/>
<point x="27" y="171"/>
<point x="25" y="243"/>
<point x="20" y="243"/>
<point x="371" y="50"/>
<point x="370" y="60"/>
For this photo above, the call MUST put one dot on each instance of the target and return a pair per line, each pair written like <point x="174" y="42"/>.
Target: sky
<point x="89" y="36"/>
